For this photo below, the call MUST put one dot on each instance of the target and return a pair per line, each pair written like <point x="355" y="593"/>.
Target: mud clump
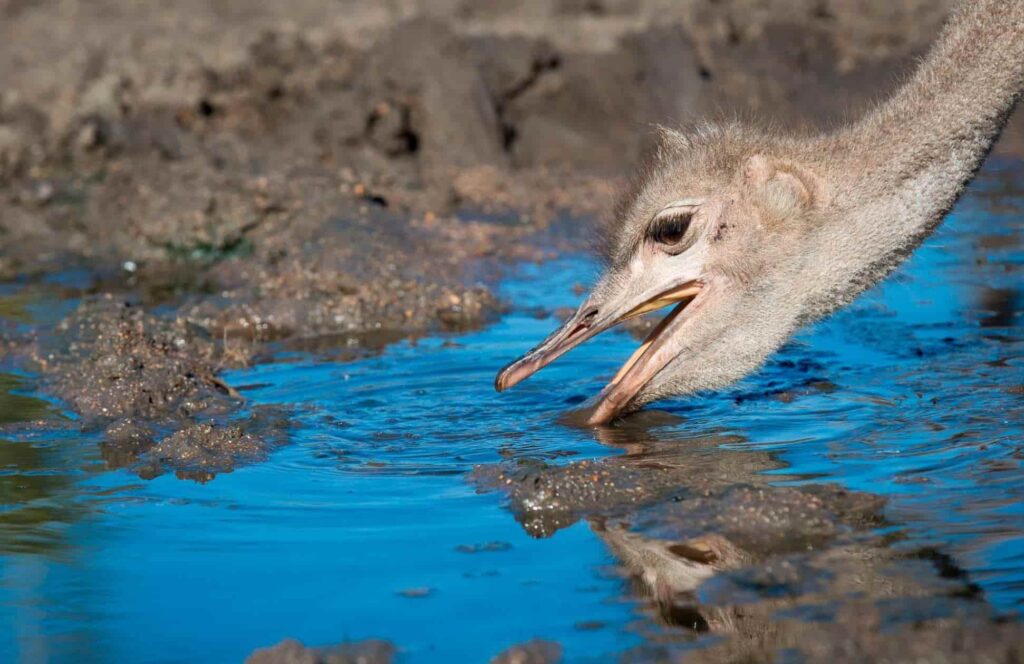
<point x="547" y="497"/>
<point x="201" y="451"/>
<point x="110" y="359"/>
<point x="770" y="519"/>
<point x="151" y="384"/>
<point x="289" y="651"/>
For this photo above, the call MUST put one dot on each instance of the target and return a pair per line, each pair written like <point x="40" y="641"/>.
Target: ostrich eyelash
<point x="670" y="229"/>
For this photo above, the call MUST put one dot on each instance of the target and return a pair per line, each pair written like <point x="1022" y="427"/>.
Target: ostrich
<point x="751" y="235"/>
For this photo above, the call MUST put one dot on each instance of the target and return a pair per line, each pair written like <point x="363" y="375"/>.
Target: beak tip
<point x="506" y="379"/>
<point x="513" y="374"/>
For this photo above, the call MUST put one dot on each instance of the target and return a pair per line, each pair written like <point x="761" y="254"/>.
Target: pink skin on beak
<point x="580" y="327"/>
<point x="654" y="354"/>
<point x="586" y="323"/>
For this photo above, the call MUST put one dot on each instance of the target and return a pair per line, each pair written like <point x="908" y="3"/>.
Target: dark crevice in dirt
<point x="541" y="65"/>
<point x="389" y="128"/>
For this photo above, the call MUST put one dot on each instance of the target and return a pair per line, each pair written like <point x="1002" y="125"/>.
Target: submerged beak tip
<point x="511" y="375"/>
<point x="501" y="382"/>
<point x="606" y="410"/>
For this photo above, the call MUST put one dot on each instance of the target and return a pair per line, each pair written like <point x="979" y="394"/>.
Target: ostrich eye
<point x="670" y="228"/>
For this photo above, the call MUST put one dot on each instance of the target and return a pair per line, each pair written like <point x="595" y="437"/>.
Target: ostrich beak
<point x="592" y="318"/>
<point x="659" y="348"/>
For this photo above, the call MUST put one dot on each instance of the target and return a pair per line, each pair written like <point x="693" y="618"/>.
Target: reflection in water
<point x="15" y="407"/>
<point x="36" y="489"/>
<point x="36" y="501"/>
<point x="714" y="547"/>
<point x="1001" y="306"/>
<point x="13" y="307"/>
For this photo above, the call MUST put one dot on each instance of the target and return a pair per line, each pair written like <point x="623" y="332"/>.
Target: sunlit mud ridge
<point x="710" y="549"/>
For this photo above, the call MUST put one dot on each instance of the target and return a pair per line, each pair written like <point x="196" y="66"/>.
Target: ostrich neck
<point x="929" y="139"/>
<point x="898" y="171"/>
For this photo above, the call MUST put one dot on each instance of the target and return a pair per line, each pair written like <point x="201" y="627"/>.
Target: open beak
<point x="589" y="321"/>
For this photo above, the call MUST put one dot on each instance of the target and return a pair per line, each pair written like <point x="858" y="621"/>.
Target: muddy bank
<point x="154" y="142"/>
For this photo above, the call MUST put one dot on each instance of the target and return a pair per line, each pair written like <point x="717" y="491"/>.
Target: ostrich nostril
<point x="584" y="322"/>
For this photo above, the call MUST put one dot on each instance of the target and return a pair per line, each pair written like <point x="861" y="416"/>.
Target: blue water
<point x="358" y="528"/>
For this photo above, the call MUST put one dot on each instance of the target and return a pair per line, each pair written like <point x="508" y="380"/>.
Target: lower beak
<point x="588" y="322"/>
<point x="654" y="353"/>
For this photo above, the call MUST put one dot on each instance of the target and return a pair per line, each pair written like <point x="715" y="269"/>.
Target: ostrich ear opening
<point x="792" y="182"/>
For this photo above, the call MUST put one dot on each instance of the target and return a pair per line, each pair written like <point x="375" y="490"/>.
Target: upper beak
<point x="590" y="319"/>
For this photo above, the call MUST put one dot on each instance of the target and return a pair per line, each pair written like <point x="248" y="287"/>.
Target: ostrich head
<point x="717" y="227"/>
